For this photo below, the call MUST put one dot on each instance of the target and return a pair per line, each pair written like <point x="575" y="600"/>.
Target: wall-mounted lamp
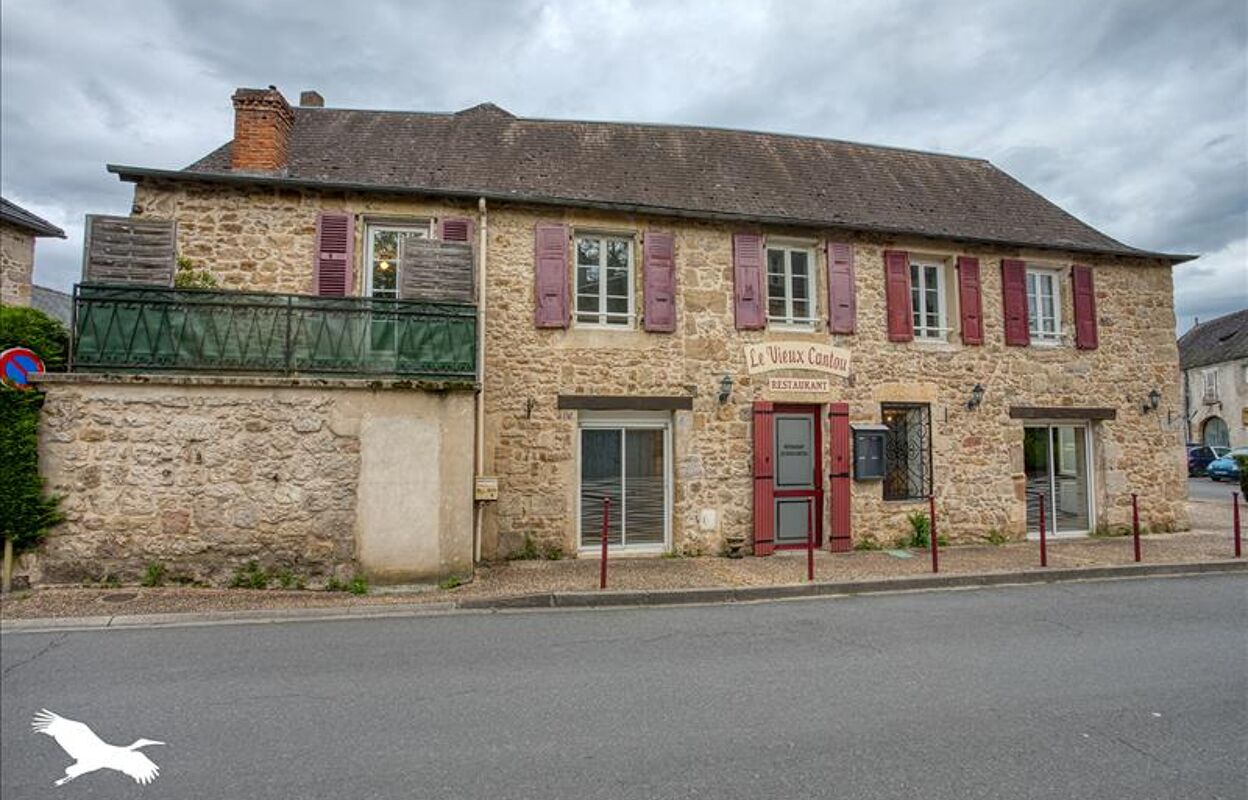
<point x="1154" y="400"/>
<point x="977" y="397"/>
<point x="725" y="388"/>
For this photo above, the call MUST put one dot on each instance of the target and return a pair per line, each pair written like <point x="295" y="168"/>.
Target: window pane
<point x="586" y="302"/>
<point x="587" y="251"/>
<point x="775" y="262"/>
<point x="617" y="282"/>
<point x="801" y="287"/>
<point x="617" y="305"/>
<point x="385" y="245"/>
<point x="907" y="470"/>
<point x="617" y="254"/>
<point x="600" y="477"/>
<point x="645" y="506"/>
<point x="384" y="278"/>
<point x="587" y="280"/>
<point x="798" y="260"/>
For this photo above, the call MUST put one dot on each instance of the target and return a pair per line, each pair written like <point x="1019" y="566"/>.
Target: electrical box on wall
<point x="869" y="452"/>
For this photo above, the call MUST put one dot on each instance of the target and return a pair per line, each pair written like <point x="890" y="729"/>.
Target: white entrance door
<point x="1057" y="461"/>
<point x="625" y="458"/>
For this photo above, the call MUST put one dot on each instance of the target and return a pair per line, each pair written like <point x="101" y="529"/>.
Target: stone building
<point x="732" y="336"/>
<point x="18" y="230"/>
<point x="1214" y="358"/>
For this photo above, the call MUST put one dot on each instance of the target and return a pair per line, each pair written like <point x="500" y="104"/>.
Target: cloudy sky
<point x="1131" y="114"/>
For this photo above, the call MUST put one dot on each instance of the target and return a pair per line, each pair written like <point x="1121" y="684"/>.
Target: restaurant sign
<point x="800" y="385"/>
<point x="797" y="355"/>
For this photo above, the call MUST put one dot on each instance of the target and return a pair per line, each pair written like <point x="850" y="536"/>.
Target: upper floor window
<point x="1044" y="306"/>
<point x="790" y="285"/>
<point x="604" y="280"/>
<point x="382" y="256"/>
<point x="1211" y="385"/>
<point x="928" y="301"/>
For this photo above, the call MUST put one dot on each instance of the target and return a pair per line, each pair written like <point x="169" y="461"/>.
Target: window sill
<point x="798" y="327"/>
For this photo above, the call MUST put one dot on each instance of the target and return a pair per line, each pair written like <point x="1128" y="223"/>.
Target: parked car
<point x="1200" y="455"/>
<point x="1226" y="467"/>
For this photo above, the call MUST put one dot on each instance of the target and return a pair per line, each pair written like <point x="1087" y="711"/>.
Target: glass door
<point x="628" y="465"/>
<point x="1056" y="462"/>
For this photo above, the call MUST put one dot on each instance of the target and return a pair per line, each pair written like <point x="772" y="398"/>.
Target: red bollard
<point x="1235" y="521"/>
<point x="810" y="552"/>
<point x="931" y="506"/>
<point x="606" y="524"/>
<point x="1044" y="549"/>
<point x="1135" y="523"/>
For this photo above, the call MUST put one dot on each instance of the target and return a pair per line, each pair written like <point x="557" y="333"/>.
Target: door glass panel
<point x="795" y="452"/>
<point x="644" y="498"/>
<point x="1036" y="467"/>
<point x="601" y="476"/>
<point x="1070" y="483"/>
<point x="793" y="519"/>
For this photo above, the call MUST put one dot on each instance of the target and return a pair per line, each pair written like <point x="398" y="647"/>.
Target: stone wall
<point x="977" y="455"/>
<point x="263" y="239"/>
<point x="17" y="263"/>
<point x="202" y="475"/>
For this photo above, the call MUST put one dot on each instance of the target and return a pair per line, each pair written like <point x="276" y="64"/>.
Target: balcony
<point x="144" y="329"/>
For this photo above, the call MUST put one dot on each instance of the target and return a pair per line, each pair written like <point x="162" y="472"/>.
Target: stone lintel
<point x="624" y="403"/>
<point x="1061" y="412"/>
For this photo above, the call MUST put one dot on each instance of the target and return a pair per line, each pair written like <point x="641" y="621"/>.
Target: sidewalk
<point x="516" y="583"/>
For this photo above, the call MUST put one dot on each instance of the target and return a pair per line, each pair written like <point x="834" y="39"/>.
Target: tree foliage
<point x="28" y="327"/>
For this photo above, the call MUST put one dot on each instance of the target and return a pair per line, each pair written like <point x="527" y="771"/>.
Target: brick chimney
<point x="262" y="123"/>
<point x="311" y="99"/>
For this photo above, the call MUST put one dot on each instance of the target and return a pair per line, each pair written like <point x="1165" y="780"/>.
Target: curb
<point x="623" y="599"/>
<point x="748" y="594"/>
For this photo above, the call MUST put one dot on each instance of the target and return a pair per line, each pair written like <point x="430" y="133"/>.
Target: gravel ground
<point x="524" y="577"/>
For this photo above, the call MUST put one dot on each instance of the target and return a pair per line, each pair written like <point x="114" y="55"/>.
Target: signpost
<point x="17" y="365"/>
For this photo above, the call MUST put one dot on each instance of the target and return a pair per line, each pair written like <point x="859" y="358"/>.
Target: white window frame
<point x="605" y="320"/>
<point x="789" y="320"/>
<point x="422" y="227"/>
<point x="923" y="332"/>
<point x="625" y="420"/>
<point x="1036" y="333"/>
<point x="1210" y="393"/>
<point x="1051" y="495"/>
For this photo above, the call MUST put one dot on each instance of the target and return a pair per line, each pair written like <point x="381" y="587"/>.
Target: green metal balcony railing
<point x="139" y="328"/>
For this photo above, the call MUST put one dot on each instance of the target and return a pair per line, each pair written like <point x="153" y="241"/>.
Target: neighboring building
<point x="57" y="305"/>
<point x="732" y="335"/>
<point x="18" y="229"/>
<point x="1214" y="358"/>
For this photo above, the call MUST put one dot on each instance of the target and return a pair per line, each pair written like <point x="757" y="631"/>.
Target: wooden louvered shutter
<point x="842" y="304"/>
<point x="334" y="269"/>
<point x="970" y="301"/>
<point x="1014" y="302"/>
<point x="1085" y="307"/>
<point x="747" y="272"/>
<point x="897" y="293"/>
<point x="764" y="487"/>
<point x="550" y="245"/>
<point x="455" y="230"/>
<point x="659" y="282"/>
<point x="839" y="529"/>
<point x="129" y="250"/>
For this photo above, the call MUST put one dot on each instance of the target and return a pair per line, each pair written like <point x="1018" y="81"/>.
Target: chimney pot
<point x="311" y="99"/>
<point x="262" y="123"/>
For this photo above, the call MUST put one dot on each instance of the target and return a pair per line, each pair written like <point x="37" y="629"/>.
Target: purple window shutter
<point x="747" y="273"/>
<point x="970" y="301"/>
<point x="1085" y="307"/>
<point x="334" y="266"/>
<point x="660" y="282"/>
<point x="550" y="246"/>
<point x="842" y="304"/>
<point x="1014" y="302"/>
<point x="455" y="230"/>
<point x="897" y="293"/>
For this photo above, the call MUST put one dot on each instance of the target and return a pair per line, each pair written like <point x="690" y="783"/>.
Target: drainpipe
<point x="477" y="530"/>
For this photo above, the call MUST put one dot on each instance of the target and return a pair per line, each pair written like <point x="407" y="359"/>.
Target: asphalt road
<point x="1205" y="489"/>
<point x="1119" y="689"/>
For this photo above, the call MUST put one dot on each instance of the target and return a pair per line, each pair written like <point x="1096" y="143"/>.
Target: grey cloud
<point x="1131" y="114"/>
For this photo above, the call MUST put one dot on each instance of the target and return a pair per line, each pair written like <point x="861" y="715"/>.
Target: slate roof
<point x="15" y="214"/>
<point x="673" y="169"/>
<point x="1216" y="341"/>
<point x="57" y="305"/>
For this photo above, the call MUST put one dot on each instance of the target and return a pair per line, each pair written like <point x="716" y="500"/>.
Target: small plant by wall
<point x="920" y="531"/>
<point x="189" y="276"/>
